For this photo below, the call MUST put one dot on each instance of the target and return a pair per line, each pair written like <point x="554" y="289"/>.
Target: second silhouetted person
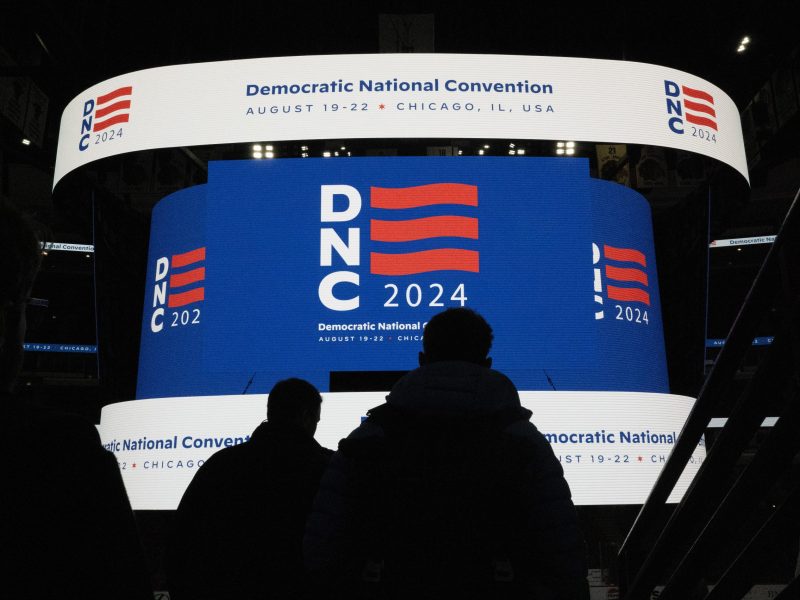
<point x="239" y="526"/>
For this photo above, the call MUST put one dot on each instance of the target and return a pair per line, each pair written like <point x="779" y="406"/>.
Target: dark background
<point x="62" y="48"/>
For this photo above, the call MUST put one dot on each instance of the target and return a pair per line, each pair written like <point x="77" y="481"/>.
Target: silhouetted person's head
<point x="20" y="255"/>
<point x="294" y="401"/>
<point x="457" y="334"/>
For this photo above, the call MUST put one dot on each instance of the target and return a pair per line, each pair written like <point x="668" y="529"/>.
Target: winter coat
<point x="552" y="549"/>
<point x="239" y="526"/>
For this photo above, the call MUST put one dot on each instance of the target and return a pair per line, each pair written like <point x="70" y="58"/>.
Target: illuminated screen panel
<point x="400" y="96"/>
<point x="612" y="445"/>
<point x="316" y="267"/>
<point x="310" y="266"/>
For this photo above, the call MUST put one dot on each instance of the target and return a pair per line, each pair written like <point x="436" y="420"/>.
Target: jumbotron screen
<point x="328" y="268"/>
<point x="308" y="267"/>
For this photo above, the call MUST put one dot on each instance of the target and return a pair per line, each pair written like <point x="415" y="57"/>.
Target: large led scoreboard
<point x="314" y="266"/>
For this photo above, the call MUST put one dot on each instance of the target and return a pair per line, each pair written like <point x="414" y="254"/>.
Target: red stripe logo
<point x="188" y="258"/>
<point x="621" y="274"/>
<point x="112" y="108"/>
<point x="182" y="279"/>
<point x="633" y="279"/>
<point x="699" y="95"/>
<point x="700" y="109"/>
<point x="424" y="195"/>
<point x="403" y="258"/>
<point x="107" y="110"/>
<point x="119" y="92"/>
<point x="628" y="295"/>
<point x="184" y="298"/>
<point x="421" y="229"/>
<point x="187" y="278"/>
<point x="446" y="259"/>
<point x="702" y="121"/>
<point x="624" y="255"/>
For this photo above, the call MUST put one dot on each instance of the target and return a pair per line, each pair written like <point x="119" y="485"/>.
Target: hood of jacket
<point x="454" y="388"/>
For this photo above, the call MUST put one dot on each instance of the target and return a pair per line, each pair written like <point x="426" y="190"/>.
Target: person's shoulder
<point x="224" y="470"/>
<point x="225" y="458"/>
<point x="287" y="441"/>
<point x="534" y="449"/>
<point x="495" y="382"/>
<point x="454" y="387"/>
<point x="370" y="427"/>
<point x="525" y="431"/>
<point x="363" y="439"/>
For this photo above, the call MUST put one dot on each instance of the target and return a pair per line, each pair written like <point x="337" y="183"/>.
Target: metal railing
<point x="674" y="547"/>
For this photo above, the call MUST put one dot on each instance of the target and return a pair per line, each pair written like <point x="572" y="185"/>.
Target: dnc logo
<point x="102" y="113"/>
<point x="184" y="287"/>
<point x="691" y="105"/>
<point x="620" y="275"/>
<point x="411" y="236"/>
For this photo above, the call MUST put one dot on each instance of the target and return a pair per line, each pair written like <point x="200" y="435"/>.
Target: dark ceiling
<point x="75" y="44"/>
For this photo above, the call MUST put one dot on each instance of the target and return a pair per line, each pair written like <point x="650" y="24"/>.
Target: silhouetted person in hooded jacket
<point x="239" y="526"/>
<point x="67" y="527"/>
<point x="447" y="490"/>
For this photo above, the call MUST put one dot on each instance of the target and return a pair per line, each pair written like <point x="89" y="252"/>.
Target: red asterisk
<point x="640" y="459"/>
<point x="133" y="465"/>
<point x="381" y="106"/>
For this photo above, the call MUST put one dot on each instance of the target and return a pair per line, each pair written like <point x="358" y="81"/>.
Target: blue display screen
<point x="303" y="267"/>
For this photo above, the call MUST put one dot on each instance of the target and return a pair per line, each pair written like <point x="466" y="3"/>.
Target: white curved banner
<point x="400" y="96"/>
<point x="612" y="445"/>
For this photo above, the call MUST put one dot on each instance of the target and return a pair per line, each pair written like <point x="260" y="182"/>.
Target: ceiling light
<point x="559" y="144"/>
<point x="256" y="147"/>
<point x="559" y="151"/>
<point x="521" y="151"/>
<point x="486" y="146"/>
<point x="741" y="48"/>
<point x="257" y="155"/>
<point x="342" y="148"/>
<point x="304" y="155"/>
<point x="512" y="152"/>
<point x="511" y="145"/>
<point x="269" y="148"/>
<point x="480" y="152"/>
<point x="326" y="154"/>
<point x="269" y="154"/>
<point x="26" y="142"/>
<point x="570" y="144"/>
<point x="304" y="148"/>
<point x="570" y="150"/>
<point x="745" y="41"/>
